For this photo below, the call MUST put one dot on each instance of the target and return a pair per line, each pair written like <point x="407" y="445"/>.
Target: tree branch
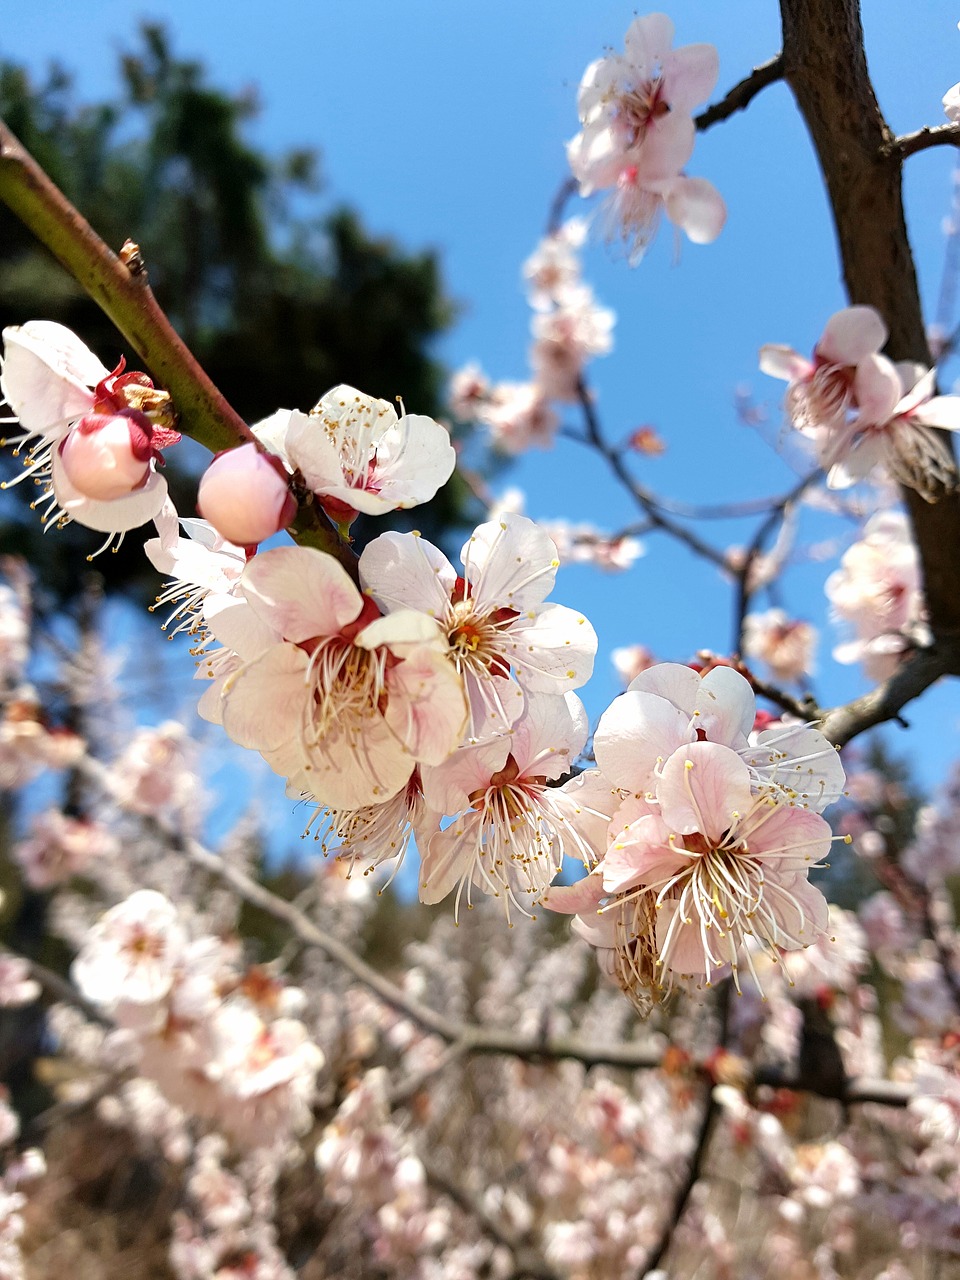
<point x="885" y="702"/>
<point x="742" y="94"/>
<point x="121" y="292"/>
<point x="908" y="144"/>
<point x="473" y="1038"/>
<point x="826" y="68"/>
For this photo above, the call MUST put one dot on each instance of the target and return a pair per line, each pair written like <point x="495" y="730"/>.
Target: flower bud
<point x="245" y="495"/>
<point x="107" y="456"/>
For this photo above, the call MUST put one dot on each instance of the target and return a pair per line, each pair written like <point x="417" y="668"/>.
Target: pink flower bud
<point x="107" y="456"/>
<point x="245" y="495"/>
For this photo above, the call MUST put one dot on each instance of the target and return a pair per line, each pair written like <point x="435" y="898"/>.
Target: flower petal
<point x="704" y="787"/>
<point x="301" y="592"/>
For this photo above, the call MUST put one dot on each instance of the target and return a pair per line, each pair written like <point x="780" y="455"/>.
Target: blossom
<point x="821" y="391"/>
<point x="724" y="864"/>
<point x="638" y="133"/>
<point x="668" y="706"/>
<point x="89" y="431"/>
<point x="366" y="836"/>
<point x="60" y="847"/>
<point x="630" y="660"/>
<point x="636" y="107"/>
<point x="554" y="268"/>
<point x="153" y="774"/>
<point x="14" y="634"/>
<point x="518" y="416"/>
<point x="340" y="700"/>
<point x="565" y="338"/>
<point x="877" y="591"/>
<point x="786" y="645"/>
<point x="492" y="617"/>
<point x="131" y="954"/>
<point x="895" y="429"/>
<point x="512" y="828"/>
<point x="245" y="495"/>
<point x="468" y="392"/>
<point x="205" y="569"/>
<point x="356" y="454"/>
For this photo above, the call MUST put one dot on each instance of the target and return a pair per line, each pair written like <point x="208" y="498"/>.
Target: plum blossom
<point x="365" y="837"/>
<point x="518" y="416"/>
<point x="554" y="267"/>
<point x="131" y="954"/>
<point x="28" y="745"/>
<point x="512" y="829"/>
<point x="493" y="617"/>
<point x="94" y="436"/>
<point x="354" y="452"/>
<point x="154" y="774"/>
<point x="877" y="592"/>
<point x="689" y="878"/>
<point x="468" y="392"/>
<point x="668" y="706"/>
<point x="14" y="635"/>
<point x="786" y="645"/>
<point x="638" y="133"/>
<point x="821" y="392"/>
<point x="565" y="338"/>
<point x="342" y="701"/>
<point x="60" y="847"/>
<point x="245" y="495"/>
<point x="203" y="567"/>
<point x="629" y="661"/>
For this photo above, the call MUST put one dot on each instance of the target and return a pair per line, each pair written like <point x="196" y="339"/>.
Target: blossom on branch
<point x="94" y="437"/>
<point x="502" y="638"/>
<point x="636" y="109"/>
<point x="356" y="454"/>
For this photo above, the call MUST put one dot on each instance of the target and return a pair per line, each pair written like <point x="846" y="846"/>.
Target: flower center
<point x="640" y="107"/>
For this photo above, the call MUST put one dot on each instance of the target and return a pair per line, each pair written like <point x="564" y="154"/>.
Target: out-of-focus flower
<point x="519" y="416"/>
<point x="877" y="591"/>
<point x="786" y="645"/>
<point x="631" y="660"/>
<point x="60" y="847"/>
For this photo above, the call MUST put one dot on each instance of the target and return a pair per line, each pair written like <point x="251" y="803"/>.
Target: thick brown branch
<point x="742" y="94"/>
<point x="908" y="144"/>
<point x="826" y="68"/>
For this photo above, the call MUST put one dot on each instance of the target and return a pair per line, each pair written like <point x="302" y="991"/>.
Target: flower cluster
<point x="638" y="133"/>
<point x="862" y="411"/>
<point x="220" y="1041"/>
<point x="713" y="829"/>
<point x="429" y="692"/>
<point x="569" y="328"/>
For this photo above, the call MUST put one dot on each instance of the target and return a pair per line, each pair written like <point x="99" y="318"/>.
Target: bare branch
<point x="742" y="94"/>
<point x="908" y="144"/>
<point x="473" y="1038"/>
<point x="885" y="702"/>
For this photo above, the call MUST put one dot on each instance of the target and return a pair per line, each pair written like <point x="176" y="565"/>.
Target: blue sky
<point x="444" y="124"/>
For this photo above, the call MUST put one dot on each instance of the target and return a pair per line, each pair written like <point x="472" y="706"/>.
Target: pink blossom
<point x="205" y="569"/>
<point x="357" y="455"/>
<point x="344" y="702"/>
<point x="154" y="774"/>
<point x="492" y="617"/>
<point x="468" y="392"/>
<point x="513" y="829"/>
<point x="53" y="383"/>
<point x="131" y="954"/>
<point x="519" y="417"/>
<point x="565" y="338"/>
<point x="246" y="496"/>
<point x="60" y="847"/>
<point x="877" y="591"/>
<point x="785" y="645"/>
<point x="822" y="391"/>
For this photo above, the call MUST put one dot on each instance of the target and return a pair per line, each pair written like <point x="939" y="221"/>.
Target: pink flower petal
<point x="697" y="207"/>
<point x="851" y="335"/>
<point x="301" y="592"/>
<point x="704" y="787"/>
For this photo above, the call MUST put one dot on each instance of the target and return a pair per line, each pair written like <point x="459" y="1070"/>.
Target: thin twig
<point x="742" y="94"/>
<point x="908" y="144"/>
<point x="59" y="988"/>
